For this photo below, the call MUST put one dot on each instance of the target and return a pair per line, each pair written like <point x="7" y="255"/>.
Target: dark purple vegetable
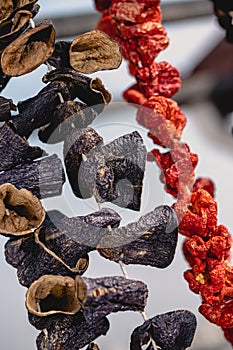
<point x="6" y="106"/>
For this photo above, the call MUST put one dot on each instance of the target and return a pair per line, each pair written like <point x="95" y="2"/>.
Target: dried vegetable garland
<point x="49" y="250"/>
<point x="136" y="25"/>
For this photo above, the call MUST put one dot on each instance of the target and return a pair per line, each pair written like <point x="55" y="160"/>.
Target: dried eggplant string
<point x="207" y="248"/>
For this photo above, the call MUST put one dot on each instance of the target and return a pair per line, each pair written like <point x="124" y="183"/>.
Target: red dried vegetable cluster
<point x="136" y="25"/>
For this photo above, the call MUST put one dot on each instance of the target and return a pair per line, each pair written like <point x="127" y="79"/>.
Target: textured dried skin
<point x="18" y="26"/>
<point x="44" y="178"/>
<point x="15" y="150"/>
<point x="4" y="79"/>
<point x="99" y="298"/>
<point x="71" y="332"/>
<point x="8" y="7"/>
<point x="52" y="294"/>
<point x="94" y="51"/>
<point x="38" y="110"/>
<point x="6" y="106"/>
<point x="78" y="143"/>
<point x="67" y="116"/>
<point x="89" y="90"/>
<point x="20" y="211"/>
<point x="61" y="248"/>
<point x="28" y="51"/>
<point x="149" y="241"/>
<point x="115" y="172"/>
<point x="171" y="331"/>
<point x="60" y="57"/>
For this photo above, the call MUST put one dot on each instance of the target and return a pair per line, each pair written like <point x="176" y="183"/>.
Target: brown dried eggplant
<point x="37" y="111"/>
<point x="77" y="144"/>
<point x="15" y="150"/>
<point x="94" y="51"/>
<point x="67" y="116"/>
<point x="6" y="106"/>
<point x="89" y="90"/>
<point x="28" y="51"/>
<point x="115" y="172"/>
<point x="98" y="298"/>
<point x="20" y="211"/>
<point x="71" y="332"/>
<point x="149" y="241"/>
<point x="44" y="178"/>
<point x="173" y="330"/>
<point x="7" y="7"/>
<point x="52" y="250"/>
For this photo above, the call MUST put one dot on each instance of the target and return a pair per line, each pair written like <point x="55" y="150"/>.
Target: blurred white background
<point x="189" y="43"/>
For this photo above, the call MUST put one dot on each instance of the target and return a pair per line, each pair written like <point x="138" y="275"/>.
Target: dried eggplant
<point x="20" y="211"/>
<point x="15" y="150"/>
<point x="60" y="57"/>
<point x="37" y="111"/>
<point x="44" y="178"/>
<point x="67" y="116"/>
<point x="8" y="7"/>
<point x="98" y="298"/>
<point x="89" y="90"/>
<point x="28" y="51"/>
<point x="149" y="241"/>
<point x="94" y="51"/>
<point x="173" y="330"/>
<point x="6" y="106"/>
<point x="115" y="172"/>
<point x="71" y="332"/>
<point x="51" y="249"/>
<point x="77" y="144"/>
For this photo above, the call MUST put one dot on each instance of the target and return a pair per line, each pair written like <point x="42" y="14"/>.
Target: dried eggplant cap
<point x="28" y="51"/>
<point x="94" y="51"/>
<point x="52" y="294"/>
<point x="20" y="211"/>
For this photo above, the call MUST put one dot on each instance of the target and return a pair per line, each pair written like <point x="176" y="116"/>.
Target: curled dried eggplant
<point x="98" y="298"/>
<point x="20" y="211"/>
<point x="149" y="241"/>
<point x="77" y="144"/>
<point x="44" y="178"/>
<point x="51" y="250"/>
<point x="94" y="51"/>
<point x="15" y="150"/>
<point x="37" y="111"/>
<point x="71" y="332"/>
<point x="60" y="57"/>
<point x="89" y="90"/>
<point x="7" y="7"/>
<point x="28" y="51"/>
<point x="6" y="106"/>
<point x="115" y="172"/>
<point x="67" y="116"/>
<point x="173" y="330"/>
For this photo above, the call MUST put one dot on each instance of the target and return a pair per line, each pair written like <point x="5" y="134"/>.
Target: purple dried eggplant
<point x="44" y="178"/>
<point x="77" y="144"/>
<point x="60" y="57"/>
<point x="89" y="90"/>
<point x="94" y="298"/>
<point x="53" y="251"/>
<point x="71" y="332"/>
<point x="115" y="172"/>
<point x="171" y="331"/>
<point x="6" y="106"/>
<point x="38" y="110"/>
<point x="67" y="116"/>
<point x="15" y="150"/>
<point x="149" y="241"/>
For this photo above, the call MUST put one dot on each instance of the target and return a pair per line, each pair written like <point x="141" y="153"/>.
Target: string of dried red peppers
<point x="136" y="25"/>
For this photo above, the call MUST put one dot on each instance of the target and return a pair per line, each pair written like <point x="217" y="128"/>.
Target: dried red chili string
<point x="136" y="25"/>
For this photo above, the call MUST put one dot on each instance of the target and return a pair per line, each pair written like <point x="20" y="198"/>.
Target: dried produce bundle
<point x="50" y="250"/>
<point x="44" y="178"/>
<point x="95" y="298"/>
<point x="171" y="331"/>
<point x="142" y="37"/>
<point x="20" y="212"/>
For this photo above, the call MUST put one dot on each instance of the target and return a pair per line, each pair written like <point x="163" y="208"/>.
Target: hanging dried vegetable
<point x="20" y="212"/>
<point x="149" y="241"/>
<point x="173" y="330"/>
<point x="44" y="178"/>
<point x="6" y="106"/>
<point x="8" y="7"/>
